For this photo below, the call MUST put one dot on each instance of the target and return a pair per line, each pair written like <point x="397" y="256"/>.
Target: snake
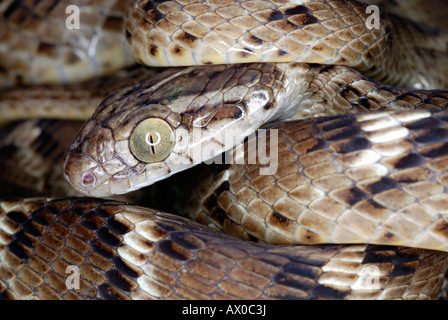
<point x="354" y="207"/>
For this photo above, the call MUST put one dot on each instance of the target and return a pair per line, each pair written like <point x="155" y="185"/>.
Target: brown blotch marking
<point x="245" y="52"/>
<point x="174" y="250"/>
<point x="33" y="228"/>
<point x="423" y="123"/>
<point x="379" y="255"/>
<point x="113" y="23"/>
<point x="188" y="241"/>
<point x="218" y="214"/>
<point x="281" y="53"/>
<point x="71" y="58"/>
<point x="210" y="202"/>
<point x="368" y="55"/>
<point x="441" y="115"/>
<point x="109" y="237"/>
<point x="12" y="8"/>
<point x="381" y="185"/>
<point x="255" y="40"/>
<point x="405" y="268"/>
<point x="275" y="15"/>
<point x="177" y="50"/>
<point x="153" y="50"/>
<point x="187" y="38"/>
<point x="17" y="216"/>
<point x="128" y="35"/>
<point x="35" y="205"/>
<point x="353" y="196"/>
<point x="26" y="239"/>
<point x="83" y="205"/>
<point x="368" y="104"/>
<point x="437" y="150"/>
<point x="159" y="230"/>
<point x="276" y="218"/>
<point x="3" y="71"/>
<point x="336" y="123"/>
<point x="408" y="161"/>
<point x="351" y="92"/>
<point x="46" y="253"/>
<point x="411" y="175"/>
<point x="355" y="144"/>
<point x="278" y="73"/>
<point x="329" y="292"/>
<point x="225" y="186"/>
<point x="120" y="280"/>
<point x="341" y="133"/>
<point x="270" y="105"/>
<point x="44" y="217"/>
<point x="47" y="49"/>
<point x="126" y="268"/>
<point x="103" y="249"/>
<point x="441" y="228"/>
<point x="297" y="10"/>
<point x="20" y="250"/>
<point x="120" y="227"/>
<point x="93" y="221"/>
<point x="312" y="145"/>
<point x="108" y="292"/>
<point x="151" y="9"/>
<point x="432" y="135"/>
<point x="151" y="15"/>
<point x="305" y="19"/>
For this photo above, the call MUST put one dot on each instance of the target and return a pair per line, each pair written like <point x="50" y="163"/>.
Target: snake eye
<point x="152" y="140"/>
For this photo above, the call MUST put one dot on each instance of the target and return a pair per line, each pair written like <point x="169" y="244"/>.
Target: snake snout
<point x="81" y="173"/>
<point x="84" y="162"/>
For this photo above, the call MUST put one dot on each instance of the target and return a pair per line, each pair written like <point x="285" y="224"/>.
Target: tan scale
<point x="129" y="252"/>
<point x="172" y="33"/>
<point x="161" y="258"/>
<point x="47" y="51"/>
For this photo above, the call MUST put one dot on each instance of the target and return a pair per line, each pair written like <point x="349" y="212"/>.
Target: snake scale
<point x="353" y="208"/>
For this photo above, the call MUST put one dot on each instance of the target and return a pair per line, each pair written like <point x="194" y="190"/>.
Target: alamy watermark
<point x="373" y="21"/>
<point x="72" y="281"/>
<point x="370" y="279"/>
<point x="256" y="149"/>
<point x="73" y="20"/>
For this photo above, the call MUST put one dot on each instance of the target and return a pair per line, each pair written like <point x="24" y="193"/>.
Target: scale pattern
<point x="127" y="252"/>
<point x="46" y="48"/>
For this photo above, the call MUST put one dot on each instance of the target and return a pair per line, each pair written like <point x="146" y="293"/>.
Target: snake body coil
<point x="367" y="181"/>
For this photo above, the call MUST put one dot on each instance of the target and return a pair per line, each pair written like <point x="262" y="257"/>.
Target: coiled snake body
<point x="367" y="181"/>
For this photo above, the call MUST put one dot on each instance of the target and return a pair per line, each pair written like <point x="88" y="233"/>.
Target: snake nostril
<point x="88" y="179"/>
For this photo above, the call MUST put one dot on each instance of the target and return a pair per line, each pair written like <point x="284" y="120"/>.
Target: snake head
<point x="138" y="136"/>
<point x="116" y="154"/>
<point x="89" y="156"/>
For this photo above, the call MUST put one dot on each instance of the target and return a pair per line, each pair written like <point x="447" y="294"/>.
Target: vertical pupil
<point x="152" y="144"/>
